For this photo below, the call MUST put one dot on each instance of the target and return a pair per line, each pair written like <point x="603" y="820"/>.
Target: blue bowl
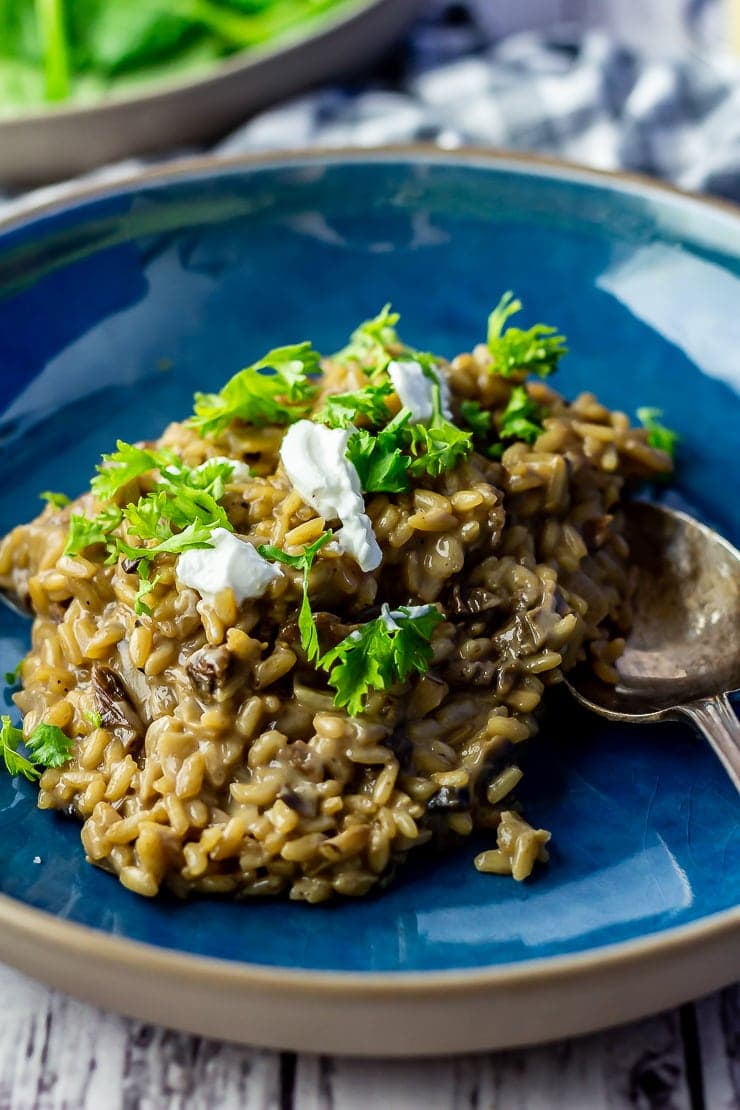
<point x="115" y="308"/>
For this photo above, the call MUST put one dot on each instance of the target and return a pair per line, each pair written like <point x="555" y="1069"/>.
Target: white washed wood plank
<point x="718" y="1021"/>
<point x="634" y="1068"/>
<point x="60" y="1054"/>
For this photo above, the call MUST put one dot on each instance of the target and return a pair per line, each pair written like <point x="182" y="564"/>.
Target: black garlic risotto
<point x="305" y="631"/>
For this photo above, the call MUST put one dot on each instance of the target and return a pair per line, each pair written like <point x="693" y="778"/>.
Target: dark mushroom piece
<point x="209" y="667"/>
<point x="113" y="702"/>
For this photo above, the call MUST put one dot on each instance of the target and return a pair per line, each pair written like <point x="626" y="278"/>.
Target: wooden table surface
<point x="59" y="1054"/>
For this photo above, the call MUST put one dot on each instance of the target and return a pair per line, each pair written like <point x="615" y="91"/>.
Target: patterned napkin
<point x="571" y="91"/>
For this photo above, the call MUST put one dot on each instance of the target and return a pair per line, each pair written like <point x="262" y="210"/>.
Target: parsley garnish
<point x="660" y="437"/>
<point x="178" y="514"/>
<point x="372" y="343"/>
<point x="84" y="533"/>
<point x="522" y="417"/>
<point x="445" y="445"/>
<point x="379" y="654"/>
<point x="58" y="500"/>
<point x="146" y="585"/>
<point x="304" y="562"/>
<point x="477" y="419"/>
<point x="48" y="745"/>
<point x="126" y="464"/>
<point x="537" y="350"/>
<point x="13" y="677"/>
<point x="275" y="390"/>
<point x="343" y="409"/>
<point x="94" y="718"/>
<point x="379" y="460"/>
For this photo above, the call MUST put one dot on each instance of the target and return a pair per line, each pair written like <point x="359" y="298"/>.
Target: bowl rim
<point x="344" y="15"/>
<point x="58" y="197"/>
<point x="717" y="933"/>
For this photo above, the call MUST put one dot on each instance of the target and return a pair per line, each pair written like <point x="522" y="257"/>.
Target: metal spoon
<point x="682" y="657"/>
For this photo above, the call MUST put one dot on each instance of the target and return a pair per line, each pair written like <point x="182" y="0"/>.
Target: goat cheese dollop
<point x="240" y="472"/>
<point x="416" y="390"/>
<point x="231" y="563"/>
<point x="314" y="460"/>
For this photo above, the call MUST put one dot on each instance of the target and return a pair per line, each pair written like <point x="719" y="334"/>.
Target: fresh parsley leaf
<point x="444" y="444"/>
<point x="343" y="409"/>
<point x="373" y="342"/>
<point x="275" y="390"/>
<point x="536" y="350"/>
<point x="195" y="535"/>
<point x="381" y="465"/>
<point x="15" y="763"/>
<point x="304" y="562"/>
<point x="522" y="417"/>
<point x="379" y="654"/>
<point x="146" y="585"/>
<point x="660" y="437"/>
<point x="94" y="718"/>
<point x="49" y="746"/>
<point x="124" y="465"/>
<point x="477" y="418"/>
<point x="13" y="677"/>
<point x="84" y="533"/>
<point x="58" y="500"/>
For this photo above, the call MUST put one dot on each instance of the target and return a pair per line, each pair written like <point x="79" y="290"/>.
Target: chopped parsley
<point x="13" y="677"/>
<point x="84" y="532"/>
<point x="522" y="417"/>
<point x="276" y="390"/>
<point x="146" y="585"/>
<point x="379" y="654"/>
<point x="368" y="404"/>
<point x="47" y="744"/>
<point x="373" y="342"/>
<point x="94" y="718"/>
<point x="179" y="513"/>
<point x="477" y="418"/>
<point x="381" y="465"/>
<point x="126" y="464"/>
<point x="660" y="437"/>
<point x="58" y="500"/>
<point x="304" y="562"/>
<point x="536" y="350"/>
<point x="444" y="444"/>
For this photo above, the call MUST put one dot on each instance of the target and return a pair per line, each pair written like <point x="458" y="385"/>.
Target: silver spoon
<point x="682" y="657"/>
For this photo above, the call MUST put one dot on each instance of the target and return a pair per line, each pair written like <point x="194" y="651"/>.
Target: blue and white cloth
<point x="573" y="91"/>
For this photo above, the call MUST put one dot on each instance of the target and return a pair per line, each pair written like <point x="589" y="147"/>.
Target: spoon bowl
<point x="682" y="655"/>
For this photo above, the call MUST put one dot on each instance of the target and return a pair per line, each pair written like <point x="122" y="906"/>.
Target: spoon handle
<point x="716" y="718"/>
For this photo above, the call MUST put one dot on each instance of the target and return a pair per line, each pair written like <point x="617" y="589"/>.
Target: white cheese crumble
<point x="240" y="472"/>
<point x="314" y="460"/>
<point x="416" y="390"/>
<point x="390" y="617"/>
<point x="231" y="563"/>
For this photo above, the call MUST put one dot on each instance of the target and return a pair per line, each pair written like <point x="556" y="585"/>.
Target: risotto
<point x="305" y="631"/>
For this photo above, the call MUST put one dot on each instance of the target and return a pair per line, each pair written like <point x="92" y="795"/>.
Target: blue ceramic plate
<point x="115" y="309"/>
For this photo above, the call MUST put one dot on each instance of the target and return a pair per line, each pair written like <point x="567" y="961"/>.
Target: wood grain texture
<point x="59" y="1054"/>
<point x="718" y="1023"/>
<point x="639" y="1066"/>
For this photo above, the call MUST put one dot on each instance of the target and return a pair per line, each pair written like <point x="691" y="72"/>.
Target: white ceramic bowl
<point x="51" y="145"/>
